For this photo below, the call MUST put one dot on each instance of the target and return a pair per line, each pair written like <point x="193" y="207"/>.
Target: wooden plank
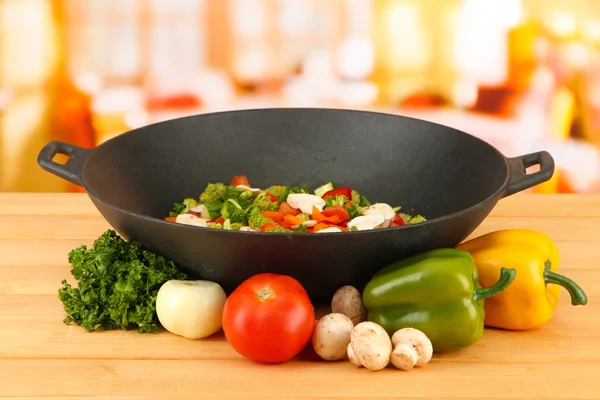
<point x="233" y="377"/>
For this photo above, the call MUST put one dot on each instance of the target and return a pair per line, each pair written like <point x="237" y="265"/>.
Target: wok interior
<point x="424" y="167"/>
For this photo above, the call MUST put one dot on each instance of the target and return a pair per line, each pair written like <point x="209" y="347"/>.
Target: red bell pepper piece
<point x="346" y="191"/>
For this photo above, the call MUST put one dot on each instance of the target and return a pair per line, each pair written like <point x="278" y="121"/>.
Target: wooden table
<point x="42" y="357"/>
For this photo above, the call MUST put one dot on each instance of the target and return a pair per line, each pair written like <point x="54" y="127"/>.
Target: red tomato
<point x="287" y="209"/>
<point x="268" y="318"/>
<point x="346" y="191"/>
<point x="239" y="180"/>
<point x="220" y="220"/>
<point x="269" y="195"/>
<point x="341" y="212"/>
<point x="398" y="221"/>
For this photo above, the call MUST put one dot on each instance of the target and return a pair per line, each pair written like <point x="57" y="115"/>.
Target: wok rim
<point x="497" y="194"/>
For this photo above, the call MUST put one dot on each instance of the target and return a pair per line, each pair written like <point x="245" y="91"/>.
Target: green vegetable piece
<point x="256" y="220"/>
<point x="413" y="219"/>
<point x="355" y="200"/>
<point x="321" y="190"/>
<point x="235" y="226"/>
<point x="214" y="225"/>
<point x="354" y="211"/>
<point x="337" y="200"/>
<point x="117" y="284"/>
<point x="280" y="229"/>
<point x="304" y="217"/>
<point x="437" y="292"/>
<point x="299" y="189"/>
<point x="233" y="211"/>
<point x="264" y="203"/>
<point x="212" y="193"/>
<point x="177" y="209"/>
<point x="302" y="228"/>
<point x="280" y="192"/>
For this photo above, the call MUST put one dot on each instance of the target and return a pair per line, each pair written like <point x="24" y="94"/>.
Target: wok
<point x="449" y="176"/>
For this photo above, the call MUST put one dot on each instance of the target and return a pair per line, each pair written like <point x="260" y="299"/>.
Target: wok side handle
<point x="520" y="180"/>
<point x="72" y="169"/>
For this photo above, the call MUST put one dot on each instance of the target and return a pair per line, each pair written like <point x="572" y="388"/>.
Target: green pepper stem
<point x="578" y="296"/>
<point x="506" y="278"/>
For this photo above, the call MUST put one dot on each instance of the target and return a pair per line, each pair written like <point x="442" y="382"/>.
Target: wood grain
<point x="41" y="357"/>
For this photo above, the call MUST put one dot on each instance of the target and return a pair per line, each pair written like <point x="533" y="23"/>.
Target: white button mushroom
<point x="329" y="230"/>
<point x="191" y="219"/>
<point x="370" y="346"/>
<point x="331" y="336"/>
<point x="416" y="340"/>
<point x="380" y="208"/>
<point x="347" y="300"/>
<point x="366" y="222"/>
<point x="192" y="309"/>
<point x="243" y="188"/>
<point x="305" y="202"/>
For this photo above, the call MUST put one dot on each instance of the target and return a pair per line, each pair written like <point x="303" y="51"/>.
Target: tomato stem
<point x="264" y="294"/>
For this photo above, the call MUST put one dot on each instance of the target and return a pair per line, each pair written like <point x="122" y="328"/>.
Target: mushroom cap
<point x="418" y="340"/>
<point x="305" y="202"/>
<point x="372" y="345"/>
<point x="366" y="222"/>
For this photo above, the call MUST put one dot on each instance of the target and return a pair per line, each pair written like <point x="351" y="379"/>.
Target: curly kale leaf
<point x="117" y="284"/>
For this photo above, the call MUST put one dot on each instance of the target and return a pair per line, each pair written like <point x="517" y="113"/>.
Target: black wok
<point x="448" y="176"/>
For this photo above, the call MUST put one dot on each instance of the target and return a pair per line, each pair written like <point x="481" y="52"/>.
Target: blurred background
<point x="523" y="75"/>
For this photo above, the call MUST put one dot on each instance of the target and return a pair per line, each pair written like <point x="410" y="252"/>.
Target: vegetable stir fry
<point x="239" y="206"/>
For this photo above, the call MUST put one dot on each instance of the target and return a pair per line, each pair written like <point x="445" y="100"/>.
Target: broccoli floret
<point x="413" y="219"/>
<point x="235" y="226"/>
<point x="302" y="228"/>
<point x="264" y="203"/>
<point x="190" y="203"/>
<point x="216" y="195"/>
<point x="299" y="189"/>
<point x="354" y="211"/>
<point x="177" y="209"/>
<point x="303" y="216"/>
<point x="353" y="228"/>
<point x="212" y="193"/>
<point x="215" y="226"/>
<point x="363" y="201"/>
<point x="233" y="211"/>
<point x="280" y="229"/>
<point x="337" y="200"/>
<point x="256" y="220"/>
<point x="183" y="207"/>
<point x="359" y="200"/>
<point x="281" y="192"/>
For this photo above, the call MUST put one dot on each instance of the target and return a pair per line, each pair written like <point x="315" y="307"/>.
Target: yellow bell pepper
<point x="531" y="299"/>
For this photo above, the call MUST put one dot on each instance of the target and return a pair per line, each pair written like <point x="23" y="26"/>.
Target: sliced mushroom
<point x="380" y="208"/>
<point x="202" y="210"/>
<point x="191" y="219"/>
<point x="366" y="222"/>
<point x="329" y="230"/>
<point x="243" y="188"/>
<point x="305" y="202"/>
<point x="309" y="223"/>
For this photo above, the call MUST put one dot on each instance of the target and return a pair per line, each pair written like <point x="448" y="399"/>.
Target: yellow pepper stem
<point x="578" y="296"/>
<point x="506" y="277"/>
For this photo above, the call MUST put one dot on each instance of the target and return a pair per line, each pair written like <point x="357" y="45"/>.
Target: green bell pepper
<point x="437" y="292"/>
